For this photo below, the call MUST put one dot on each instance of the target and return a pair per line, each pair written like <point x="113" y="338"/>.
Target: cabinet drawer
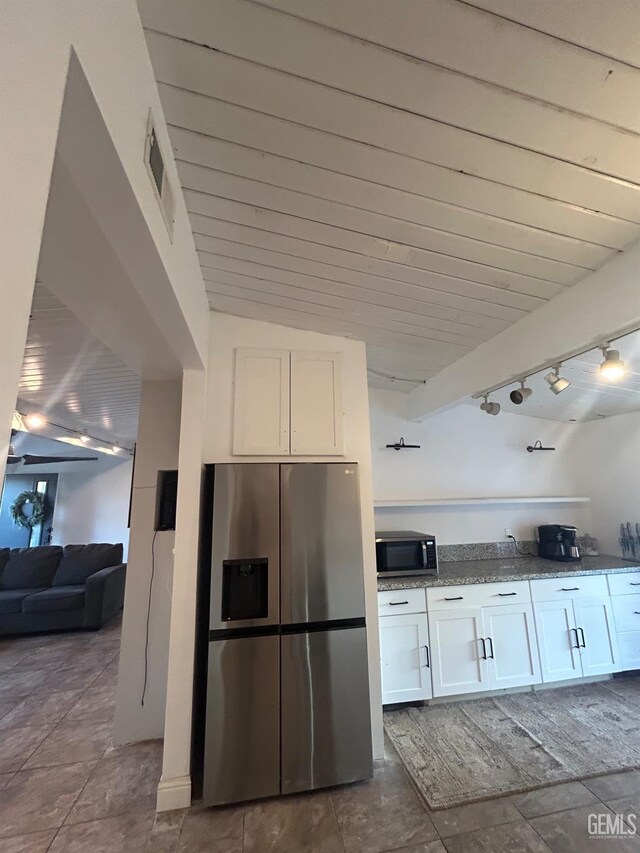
<point x="392" y="602"/>
<point x="624" y="584"/>
<point x="629" y="645"/>
<point x="477" y="595"/>
<point x="626" y="612"/>
<point x="578" y="586"/>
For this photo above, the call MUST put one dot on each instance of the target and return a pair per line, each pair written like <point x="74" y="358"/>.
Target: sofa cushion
<point x="55" y="598"/>
<point x="80" y="561"/>
<point x="5" y="553"/>
<point x="30" y="568"/>
<point x="11" y="599"/>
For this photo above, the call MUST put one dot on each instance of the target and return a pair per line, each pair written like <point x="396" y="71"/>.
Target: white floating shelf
<point x="478" y="501"/>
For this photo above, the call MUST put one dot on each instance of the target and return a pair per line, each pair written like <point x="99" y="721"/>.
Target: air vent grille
<point x="155" y="164"/>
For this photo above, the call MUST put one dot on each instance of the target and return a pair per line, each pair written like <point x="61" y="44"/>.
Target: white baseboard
<point x="174" y="794"/>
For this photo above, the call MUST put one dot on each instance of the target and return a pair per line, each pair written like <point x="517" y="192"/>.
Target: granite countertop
<point x="511" y="569"/>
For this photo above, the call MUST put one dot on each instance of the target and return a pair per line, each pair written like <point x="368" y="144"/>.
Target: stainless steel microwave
<point x="405" y="552"/>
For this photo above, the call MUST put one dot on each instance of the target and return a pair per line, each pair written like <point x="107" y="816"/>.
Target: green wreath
<point x="36" y="517"/>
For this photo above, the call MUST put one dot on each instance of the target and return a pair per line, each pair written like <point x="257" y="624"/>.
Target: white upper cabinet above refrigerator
<point x="287" y="403"/>
<point x="261" y="403"/>
<point x="316" y="404"/>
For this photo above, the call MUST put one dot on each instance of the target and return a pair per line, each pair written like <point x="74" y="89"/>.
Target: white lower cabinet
<point x="576" y="638"/>
<point x="598" y="641"/>
<point x="512" y="650"/>
<point x="483" y="648"/>
<point x="459" y="639"/>
<point x="559" y="655"/>
<point x="458" y="661"/>
<point x="405" y="658"/>
<point x="629" y="644"/>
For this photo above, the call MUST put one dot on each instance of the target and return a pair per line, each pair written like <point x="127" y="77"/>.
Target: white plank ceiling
<point x="417" y="174"/>
<point x="72" y="379"/>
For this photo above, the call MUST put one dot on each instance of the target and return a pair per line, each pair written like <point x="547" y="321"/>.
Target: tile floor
<point x="64" y="788"/>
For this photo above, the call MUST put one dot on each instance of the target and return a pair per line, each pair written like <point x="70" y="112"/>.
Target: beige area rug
<point x="474" y="750"/>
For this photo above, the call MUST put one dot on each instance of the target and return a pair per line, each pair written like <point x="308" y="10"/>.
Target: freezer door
<point x="326" y="725"/>
<point x="245" y="547"/>
<point x="321" y="543"/>
<point x="242" y="738"/>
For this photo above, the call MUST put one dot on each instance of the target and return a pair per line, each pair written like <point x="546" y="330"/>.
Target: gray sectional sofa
<point x="51" y="588"/>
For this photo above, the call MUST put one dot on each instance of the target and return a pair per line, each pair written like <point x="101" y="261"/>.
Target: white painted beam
<point x="604" y="304"/>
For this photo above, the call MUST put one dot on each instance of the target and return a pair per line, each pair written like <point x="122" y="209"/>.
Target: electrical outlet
<point x="508" y="534"/>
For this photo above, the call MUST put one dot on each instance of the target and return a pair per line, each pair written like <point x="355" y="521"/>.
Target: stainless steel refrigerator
<point x="287" y="705"/>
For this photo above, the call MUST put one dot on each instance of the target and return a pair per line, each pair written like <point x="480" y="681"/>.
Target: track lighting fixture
<point x="490" y="408"/>
<point x="612" y="368"/>
<point x="520" y="394"/>
<point x="556" y="382"/>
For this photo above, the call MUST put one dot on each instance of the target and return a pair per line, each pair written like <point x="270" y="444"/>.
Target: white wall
<point x="157" y="449"/>
<point x="229" y="332"/>
<point x="606" y="466"/>
<point x="37" y="41"/>
<point x="93" y="507"/>
<point x="467" y="453"/>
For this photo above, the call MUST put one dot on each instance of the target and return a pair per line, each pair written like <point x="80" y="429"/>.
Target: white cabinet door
<point x="261" y="402"/>
<point x="597" y="636"/>
<point x="557" y="640"/>
<point x="457" y="658"/>
<point x="629" y="645"/>
<point x="405" y="658"/>
<point x="512" y="650"/>
<point x="316" y="404"/>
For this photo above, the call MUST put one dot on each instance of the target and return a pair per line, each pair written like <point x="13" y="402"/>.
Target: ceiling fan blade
<point x="13" y="460"/>
<point x="29" y="459"/>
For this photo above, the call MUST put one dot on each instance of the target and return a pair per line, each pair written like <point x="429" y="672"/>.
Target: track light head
<point x="490" y="408"/>
<point x="34" y="421"/>
<point x="612" y="368"/>
<point x="556" y="382"/>
<point x="520" y="394"/>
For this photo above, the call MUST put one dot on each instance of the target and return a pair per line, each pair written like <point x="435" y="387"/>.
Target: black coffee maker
<point x="558" y="542"/>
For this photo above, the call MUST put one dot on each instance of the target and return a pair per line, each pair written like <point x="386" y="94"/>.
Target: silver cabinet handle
<point x="397" y="603"/>
<point x="426" y="651"/>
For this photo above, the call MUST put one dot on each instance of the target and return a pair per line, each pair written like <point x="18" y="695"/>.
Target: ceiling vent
<point x="154" y="161"/>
